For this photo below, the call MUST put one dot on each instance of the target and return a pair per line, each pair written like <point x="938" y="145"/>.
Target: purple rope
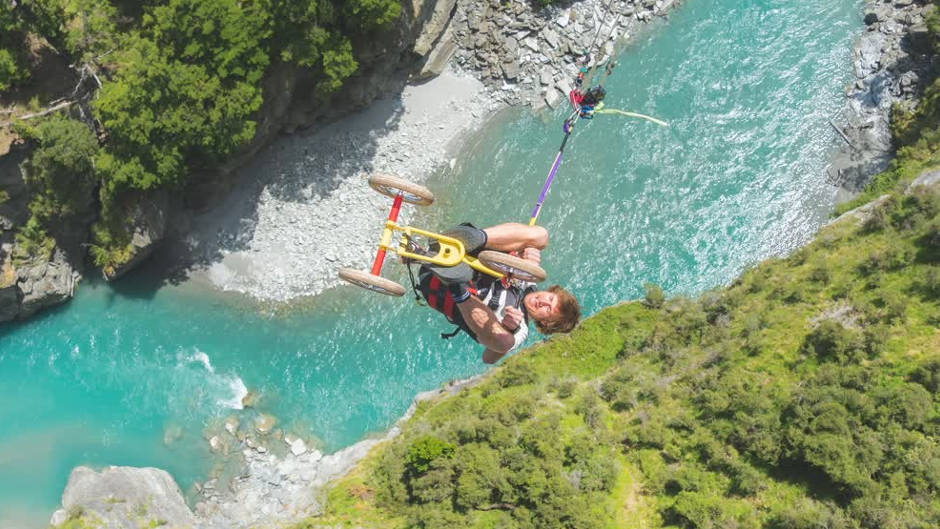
<point x="551" y="175"/>
<point x="548" y="184"/>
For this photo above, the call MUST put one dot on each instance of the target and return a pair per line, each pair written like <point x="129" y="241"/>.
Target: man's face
<point x="543" y="305"/>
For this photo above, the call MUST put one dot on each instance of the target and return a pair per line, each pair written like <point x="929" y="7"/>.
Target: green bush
<point x="60" y="172"/>
<point x="185" y="93"/>
<point x="655" y="298"/>
<point x="830" y="340"/>
<point x="425" y="450"/>
<point x="10" y="71"/>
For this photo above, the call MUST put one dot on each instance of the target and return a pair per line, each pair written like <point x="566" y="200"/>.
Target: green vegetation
<point x="804" y="395"/>
<point x="60" y="176"/>
<point x="181" y="82"/>
<point x="60" y="171"/>
<point x="17" y="25"/>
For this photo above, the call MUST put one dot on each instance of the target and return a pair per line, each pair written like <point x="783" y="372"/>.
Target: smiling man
<point x="493" y="312"/>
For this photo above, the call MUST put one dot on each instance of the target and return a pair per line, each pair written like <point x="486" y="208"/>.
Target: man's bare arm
<point x="482" y="321"/>
<point x="491" y="357"/>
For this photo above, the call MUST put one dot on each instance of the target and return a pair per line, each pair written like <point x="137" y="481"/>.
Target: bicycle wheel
<point x="391" y="186"/>
<point x="372" y="282"/>
<point x="513" y="266"/>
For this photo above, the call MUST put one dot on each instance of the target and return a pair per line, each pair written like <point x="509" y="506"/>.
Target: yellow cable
<point x="631" y="115"/>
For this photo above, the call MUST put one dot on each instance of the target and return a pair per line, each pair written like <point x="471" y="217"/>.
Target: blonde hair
<point x="570" y="313"/>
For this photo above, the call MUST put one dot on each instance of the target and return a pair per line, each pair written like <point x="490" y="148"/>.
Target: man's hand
<point x="512" y="318"/>
<point x="532" y="254"/>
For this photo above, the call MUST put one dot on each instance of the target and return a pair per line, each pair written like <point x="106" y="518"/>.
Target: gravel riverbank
<point x="303" y="207"/>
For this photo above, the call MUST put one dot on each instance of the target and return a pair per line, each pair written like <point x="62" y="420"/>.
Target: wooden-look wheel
<point x="391" y="186"/>
<point x="513" y="266"/>
<point x="372" y="282"/>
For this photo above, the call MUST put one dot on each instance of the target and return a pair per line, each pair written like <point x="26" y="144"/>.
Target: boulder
<point x="926" y="179"/>
<point x="439" y="57"/>
<point x="876" y="14"/>
<point x="125" y="498"/>
<point x="553" y="98"/>
<point x="44" y="284"/>
<point x="264" y="423"/>
<point x="434" y="26"/>
<point x="510" y="70"/>
<point x="149" y="225"/>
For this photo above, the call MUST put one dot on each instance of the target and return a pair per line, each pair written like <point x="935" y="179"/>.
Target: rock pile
<point x="529" y="56"/>
<point x="891" y="59"/>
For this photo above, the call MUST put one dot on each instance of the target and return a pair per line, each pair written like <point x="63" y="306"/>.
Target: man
<point x="493" y="313"/>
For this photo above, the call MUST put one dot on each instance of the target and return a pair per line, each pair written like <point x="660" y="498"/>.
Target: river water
<point x="133" y="374"/>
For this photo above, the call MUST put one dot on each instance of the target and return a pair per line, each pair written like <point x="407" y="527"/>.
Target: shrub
<point x="927" y="374"/>
<point x="655" y="298"/>
<point x="10" y="72"/>
<point x="893" y="305"/>
<point x="515" y="374"/>
<point x="425" y="450"/>
<point x="60" y="172"/>
<point x="33" y="242"/>
<point x="830" y="340"/>
<point x="820" y="273"/>
<point x="876" y="221"/>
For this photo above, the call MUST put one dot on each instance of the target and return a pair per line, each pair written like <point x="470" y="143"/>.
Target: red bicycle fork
<point x="387" y="236"/>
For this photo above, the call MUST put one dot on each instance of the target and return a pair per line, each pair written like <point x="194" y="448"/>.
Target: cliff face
<point x="31" y="283"/>
<point x="893" y="58"/>
<point x="386" y="61"/>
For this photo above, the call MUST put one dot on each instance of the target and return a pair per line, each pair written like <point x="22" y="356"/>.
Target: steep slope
<point x="805" y="393"/>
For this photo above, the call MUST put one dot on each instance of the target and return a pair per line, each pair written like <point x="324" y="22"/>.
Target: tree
<point x="43" y="18"/>
<point x="185" y="92"/>
<point x="60" y="171"/>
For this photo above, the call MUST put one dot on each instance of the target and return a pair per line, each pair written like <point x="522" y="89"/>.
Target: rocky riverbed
<point x="277" y="479"/>
<point x="891" y="62"/>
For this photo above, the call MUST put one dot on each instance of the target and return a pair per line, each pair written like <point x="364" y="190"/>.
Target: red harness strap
<point x="440" y="299"/>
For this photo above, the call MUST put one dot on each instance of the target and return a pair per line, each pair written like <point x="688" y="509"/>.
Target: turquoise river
<point x="132" y="374"/>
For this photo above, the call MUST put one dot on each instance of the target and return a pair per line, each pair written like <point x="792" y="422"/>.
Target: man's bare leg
<point x="514" y="236"/>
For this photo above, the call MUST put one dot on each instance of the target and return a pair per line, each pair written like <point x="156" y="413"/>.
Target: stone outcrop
<point x="440" y="16"/>
<point x="280" y="481"/>
<point x="44" y="283"/>
<point x="149" y="227"/>
<point x="528" y="55"/>
<point x="31" y="283"/>
<point x="124" y="498"/>
<point x="891" y="59"/>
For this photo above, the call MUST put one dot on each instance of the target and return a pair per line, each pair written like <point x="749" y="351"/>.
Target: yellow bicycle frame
<point x="450" y="253"/>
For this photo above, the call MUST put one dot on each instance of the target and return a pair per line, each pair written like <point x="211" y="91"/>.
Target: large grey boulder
<point x="925" y="179"/>
<point x="439" y="57"/>
<point x="125" y="498"/>
<point x="434" y="27"/>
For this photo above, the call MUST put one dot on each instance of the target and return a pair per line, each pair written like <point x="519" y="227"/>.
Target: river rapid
<point x="134" y="373"/>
